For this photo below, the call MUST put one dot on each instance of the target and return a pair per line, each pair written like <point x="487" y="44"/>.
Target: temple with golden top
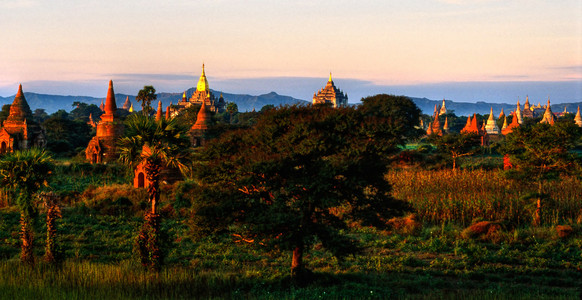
<point x="102" y="147"/>
<point x="19" y="131"/>
<point x="203" y="94"/>
<point x="330" y="94"/>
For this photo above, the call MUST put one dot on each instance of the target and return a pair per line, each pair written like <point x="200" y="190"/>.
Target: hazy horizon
<point x="420" y="48"/>
<point x="304" y="87"/>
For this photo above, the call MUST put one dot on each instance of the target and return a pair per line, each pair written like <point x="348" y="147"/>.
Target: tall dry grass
<point x="464" y="196"/>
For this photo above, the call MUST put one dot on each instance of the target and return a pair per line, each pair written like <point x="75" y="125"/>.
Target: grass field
<point x="432" y="261"/>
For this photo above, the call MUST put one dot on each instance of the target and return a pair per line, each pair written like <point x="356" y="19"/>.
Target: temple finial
<point x="330" y="77"/>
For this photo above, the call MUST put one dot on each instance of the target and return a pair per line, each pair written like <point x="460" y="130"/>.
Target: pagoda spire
<point x="549" y="117"/>
<point x="159" y="112"/>
<point x="202" y="82"/>
<point x="578" y="118"/>
<point x="491" y="126"/>
<point x="19" y="110"/>
<point x="110" y="105"/>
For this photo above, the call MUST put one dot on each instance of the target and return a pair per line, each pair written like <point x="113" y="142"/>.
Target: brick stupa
<point x="200" y="127"/>
<point x="102" y="148"/>
<point x="19" y="131"/>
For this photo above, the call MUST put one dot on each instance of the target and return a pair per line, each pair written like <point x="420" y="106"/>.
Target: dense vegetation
<point x="470" y="233"/>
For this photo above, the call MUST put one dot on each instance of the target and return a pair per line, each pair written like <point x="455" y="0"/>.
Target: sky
<point x="463" y="50"/>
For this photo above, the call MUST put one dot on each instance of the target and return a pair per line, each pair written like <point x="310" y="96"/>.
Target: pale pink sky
<point x="385" y="42"/>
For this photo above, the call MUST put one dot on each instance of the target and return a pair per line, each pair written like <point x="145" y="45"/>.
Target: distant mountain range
<point x="52" y="103"/>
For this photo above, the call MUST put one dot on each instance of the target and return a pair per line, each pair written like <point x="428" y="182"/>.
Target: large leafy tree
<point x="302" y="174"/>
<point x="541" y="152"/>
<point x="456" y="145"/>
<point x="145" y="96"/>
<point x="65" y="136"/>
<point x="22" y="174"/>
<point x="161" y="144"/>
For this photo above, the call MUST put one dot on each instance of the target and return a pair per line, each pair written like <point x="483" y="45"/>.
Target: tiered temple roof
<point x="102" y="147"/>
<point x="330" y="94"/>
<point x="203" y="94"/>
<point x="19" y="131"/>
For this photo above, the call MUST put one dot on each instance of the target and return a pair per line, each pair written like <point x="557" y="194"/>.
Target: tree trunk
<point x="538" y="214"/>
<point x="153" y="176"/>
<point x="297" y="261"/>
<point x="149" y="240"/>
<point x="26" y="255"/>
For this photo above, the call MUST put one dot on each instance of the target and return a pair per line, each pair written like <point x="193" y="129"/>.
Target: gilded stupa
<point x="443" y="109"/>
<point x="518" y="113"/>
<point x="491" y="126"/>
<point x="203" y="94"/>
<point x="330" y="94"/>
<point x="578" y="118"/>
<point x="549" y="117"/>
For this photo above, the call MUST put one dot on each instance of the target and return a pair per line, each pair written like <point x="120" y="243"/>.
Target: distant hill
<point x="483" y="108"/>
<point x="52" y="103"/>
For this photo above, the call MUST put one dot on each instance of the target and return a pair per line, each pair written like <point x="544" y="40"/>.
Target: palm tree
<point x="231" y="108"/>
<point x="22" y="174"/>
<point x="161" y="144"/>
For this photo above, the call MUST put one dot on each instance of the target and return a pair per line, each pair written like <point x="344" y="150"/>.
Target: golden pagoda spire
<point x="330" y="77"/>
<point x="202" y="82"/>
<point x="578" y="118"/>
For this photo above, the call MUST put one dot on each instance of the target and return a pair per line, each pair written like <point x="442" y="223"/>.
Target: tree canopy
<point x="301" y="174"/>
<point x="145" y="96"/>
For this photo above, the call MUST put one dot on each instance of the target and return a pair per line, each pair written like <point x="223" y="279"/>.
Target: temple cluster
<point x="489" y="128"/>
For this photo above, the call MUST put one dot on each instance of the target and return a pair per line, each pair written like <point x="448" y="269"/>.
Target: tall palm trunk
<point x="148" y="240"/>
<point x="153" y="169"/>
<point x="27" y="237"/>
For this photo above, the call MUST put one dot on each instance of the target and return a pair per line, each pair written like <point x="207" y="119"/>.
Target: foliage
<point x="145" y="96"/>
<point x="232" y="109"/>
<point x="5" y="112"/>
<point x="456" y="145"/>
<point x="65" y="137"/>
<point x="22" y="174"/>
<point x="82" y="111"/>
<point x="162" y="143"/>
<point x="301" y="173"/>
<point x="541" y="152"/>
